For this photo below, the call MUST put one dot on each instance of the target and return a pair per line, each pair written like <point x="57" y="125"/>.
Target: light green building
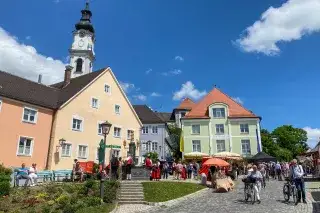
<point x="217" y="123"/>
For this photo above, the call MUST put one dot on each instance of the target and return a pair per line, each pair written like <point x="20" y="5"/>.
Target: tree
<point x="175" y="134"/>
<point x="290" y="138"/>
<point x="152" y="155"/>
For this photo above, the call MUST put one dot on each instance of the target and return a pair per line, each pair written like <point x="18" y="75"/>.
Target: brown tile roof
<point x="51" y="97"/>
<point x="200" y="110"/>
<point x="146" y="115"/>
<point x="165" y="116"/>
<point x="187" y="103"/>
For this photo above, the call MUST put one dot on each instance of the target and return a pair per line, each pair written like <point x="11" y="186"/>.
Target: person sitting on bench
<point x="77" y="170"/>
<point x="22" y="173"/>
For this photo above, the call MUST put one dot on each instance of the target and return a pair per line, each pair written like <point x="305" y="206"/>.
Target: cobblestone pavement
<point x="233" y="202"/>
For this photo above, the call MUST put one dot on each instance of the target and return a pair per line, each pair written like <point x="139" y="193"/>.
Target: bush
<point x="111" y="188"/>
<point x="4" y="188"/>
<point x="93" y="201"/>
<point x="5" y="180"/>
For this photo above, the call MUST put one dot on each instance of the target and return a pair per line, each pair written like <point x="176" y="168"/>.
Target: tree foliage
<point x="152" y="155"/>
<point x="289" y="142"/>
<point x="175" y="134"/>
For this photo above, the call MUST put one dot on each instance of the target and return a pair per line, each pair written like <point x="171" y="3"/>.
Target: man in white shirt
<point x="296" y="172"/>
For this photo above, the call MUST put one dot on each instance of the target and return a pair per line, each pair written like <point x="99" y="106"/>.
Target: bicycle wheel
<point x="253" y="195"/>
<point x="294" y="194"/>
<point x="286" y="192"/>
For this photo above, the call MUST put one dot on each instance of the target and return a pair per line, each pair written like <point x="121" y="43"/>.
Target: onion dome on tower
<point x="85" y="22"/>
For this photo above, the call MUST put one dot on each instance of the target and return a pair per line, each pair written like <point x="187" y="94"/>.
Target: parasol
<point x="216" y="162"/>
<point x="228" y="155"/>
<point x="195" y="155"/>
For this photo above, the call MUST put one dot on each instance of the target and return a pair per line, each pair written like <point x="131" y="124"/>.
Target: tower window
<point x="79" y="65"/>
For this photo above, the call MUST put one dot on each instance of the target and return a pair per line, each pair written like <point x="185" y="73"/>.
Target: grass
<point x="105" y="208"/>
<point x="164" y="191"/>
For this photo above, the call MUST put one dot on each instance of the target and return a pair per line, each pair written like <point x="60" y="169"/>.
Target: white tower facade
<point x="82" y="53"/>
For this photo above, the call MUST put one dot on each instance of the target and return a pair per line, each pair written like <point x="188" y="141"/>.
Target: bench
<point x="43" y="176"/>
<point x="61" y="175"/>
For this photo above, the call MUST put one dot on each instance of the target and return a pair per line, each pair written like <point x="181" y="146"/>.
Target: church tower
<point x="82" y="53"/>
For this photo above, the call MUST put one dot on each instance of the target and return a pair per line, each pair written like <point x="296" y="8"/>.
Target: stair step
<point x="131" y="199"/>
<point x="132" y="196"/>
<point x="132" y="202"/>
<point x="131" y="193"/>
<point x="131" y="187"/>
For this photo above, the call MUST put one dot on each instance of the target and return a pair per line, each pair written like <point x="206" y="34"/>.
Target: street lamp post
<point x="106" y="126"/>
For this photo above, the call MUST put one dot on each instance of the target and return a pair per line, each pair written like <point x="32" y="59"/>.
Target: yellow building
<point x="86" y="102"/>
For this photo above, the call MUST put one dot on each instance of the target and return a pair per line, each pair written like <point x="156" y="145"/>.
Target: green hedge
<point x="5" y="180"/>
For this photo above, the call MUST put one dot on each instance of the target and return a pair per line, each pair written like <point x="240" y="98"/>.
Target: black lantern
<point x="62" y="142"/>
<point x="106" y="126"/>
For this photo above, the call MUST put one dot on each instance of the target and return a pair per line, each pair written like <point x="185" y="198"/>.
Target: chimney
<point x="67" y="75"/>
<point x="40" y="79"/>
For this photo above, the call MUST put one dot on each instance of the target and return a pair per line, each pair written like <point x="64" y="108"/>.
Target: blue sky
<point x="272" y="67"/>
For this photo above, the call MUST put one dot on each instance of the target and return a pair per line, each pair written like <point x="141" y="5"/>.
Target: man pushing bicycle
<point x="296" y="173"/>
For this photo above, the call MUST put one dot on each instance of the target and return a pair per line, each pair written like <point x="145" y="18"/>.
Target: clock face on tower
<point x="81" y="43"/>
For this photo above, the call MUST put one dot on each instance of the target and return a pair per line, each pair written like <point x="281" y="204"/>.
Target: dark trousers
<point x="165" y="174"/>
<point x="22" y="177"/>
<point x="189" y="174"/>
<point x="301" y="189"/>
<point x="114" y="172"/>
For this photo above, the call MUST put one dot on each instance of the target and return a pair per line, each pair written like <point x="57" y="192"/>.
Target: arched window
<point x="79" y="65"/>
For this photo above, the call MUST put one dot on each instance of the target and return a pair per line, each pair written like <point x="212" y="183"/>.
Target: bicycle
<point x="249" y="192"/>
<point x="289" y="189"/>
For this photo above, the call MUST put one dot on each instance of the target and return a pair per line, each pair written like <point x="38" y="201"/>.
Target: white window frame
<point x="193" y="150"/>
<point x="114" y="152"/>
<point x="220" y="112"/>
<point x="224" y="143"/>
<point x="154" y="146"/>
<point x="116" y="136"/>
<point x="98" y="103"/>
<point x="31" y="146"/>
<point x="144" y="146"/>
<point x="195" y="133"/>
<point x="246" y="154"/>
<point x="145" y="128"/>
<point x="219" y="132"/>
<point x="98" y="127"/>
<point x="1" y="103"/>
<point x="242" y="130"/>
<point x="115" y="111"/>
<point x="35" y="116"/>
<point x="82" y="123"/>
<point x="78" y="151"/>
<point x="129" y="136"/>
<point x="108" y="92"/>
<point x="152" y="132"/>
<point x="65" y="155"/>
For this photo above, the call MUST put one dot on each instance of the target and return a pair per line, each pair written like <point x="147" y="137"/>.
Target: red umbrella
<point x="216" y="162"/>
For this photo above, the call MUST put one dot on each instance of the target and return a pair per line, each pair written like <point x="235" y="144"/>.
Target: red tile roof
<point x="187" y="103"/>
<point x="236" y="110"/>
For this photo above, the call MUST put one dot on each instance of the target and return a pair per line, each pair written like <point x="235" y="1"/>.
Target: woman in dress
<point x="33" y="174"/>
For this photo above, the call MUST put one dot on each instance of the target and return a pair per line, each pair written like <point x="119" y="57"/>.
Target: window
<point x="145" y="130"/>
<point x="219" y="113"/>
<point x="246" y="149"/>
<point x="154" y="130"/>
<point x="183" y="114"/>
<point x="25" y="146"/>
<point x="107" y="89"/>
<point x="97" y="154"/>
<point x="82" y="151"/>
<point x="66" y="150"/>
<point x="196" y="146"/>
<point x="94" y="103"/>
<point x="76" y="124"/>
<point x="117" y="109"/>
<point x="196" y="129"/>
<point x="244" y="128"/>
<point x="79" y="65"/>
<point x="130" y="134"/>
<point x="221" y="146"/>
<point x="116" y="153"/>
<point x="29" y="115"/>
<point x="144" y="146"/>
<point x="219" y="129"/>
<point x="0" y="104"/>
<point x="117" y="132"/>
<point x="100" y="128"/>
<point x="154" y="146"/>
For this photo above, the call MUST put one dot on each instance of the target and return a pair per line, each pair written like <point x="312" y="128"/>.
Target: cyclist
<point x="296" y="172"/>
<point x="255" y="174"/>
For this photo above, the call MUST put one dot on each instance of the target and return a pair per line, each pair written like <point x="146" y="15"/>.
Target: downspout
<point x="51" y="141"/>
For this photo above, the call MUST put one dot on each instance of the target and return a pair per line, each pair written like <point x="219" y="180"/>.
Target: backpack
<point x="114" y="161"/>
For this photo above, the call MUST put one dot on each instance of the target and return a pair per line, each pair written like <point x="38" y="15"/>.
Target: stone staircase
<point x="131" y="192"/>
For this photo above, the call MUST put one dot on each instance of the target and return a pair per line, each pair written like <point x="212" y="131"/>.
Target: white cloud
<point x="155" y="94"/>
<point x="178" y="58"/>
<point x="140" y="97"/>
<point x="28" y="37"/>
<point x="24" y="60"/>
<point x="313" y="136"/>
<point x="290" y="21"/>
<point x="148" y="71"/>
<point x="238" y="100"/>
<point x="188" y="90"/>
<point x="172" y="72"/>
<point x="127" y="87"/>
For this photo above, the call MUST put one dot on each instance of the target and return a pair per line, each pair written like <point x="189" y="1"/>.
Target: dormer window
<point x="219" y="113"/>
<point x="79" y="65"/>
<point x="183" y="114"/>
